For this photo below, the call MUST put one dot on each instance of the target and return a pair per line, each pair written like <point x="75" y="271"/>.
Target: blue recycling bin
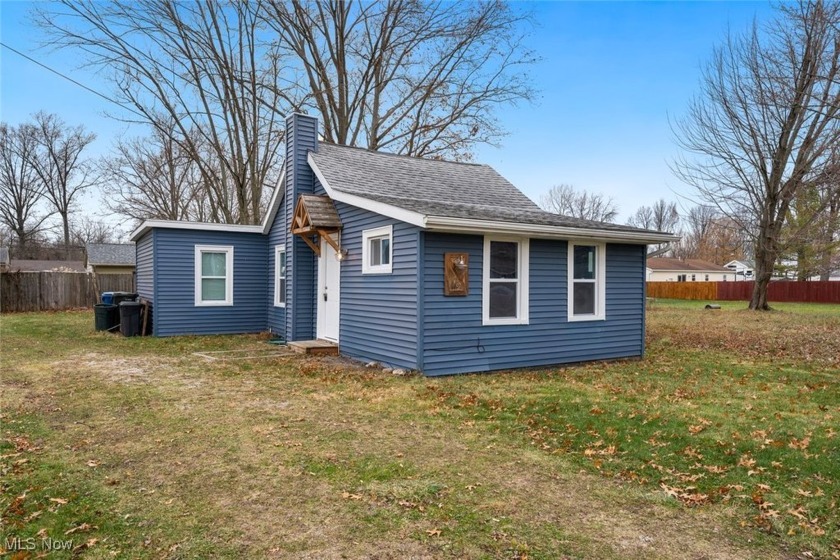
<point x="108" y="298"/>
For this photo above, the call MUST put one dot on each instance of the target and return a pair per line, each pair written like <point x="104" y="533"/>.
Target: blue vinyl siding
<point x="276" y="236"/>
<point x="455" y="341"/>
<point x="175" y="310"/>
<point x="300" y="318"/>
<point x="378" y="311"/>
<point x="145" y="272"/>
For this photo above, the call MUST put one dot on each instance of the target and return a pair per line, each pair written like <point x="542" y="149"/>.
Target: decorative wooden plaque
<point x="456" y="274"/>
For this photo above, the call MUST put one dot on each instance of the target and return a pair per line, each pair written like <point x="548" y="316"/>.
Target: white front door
<point x="329" y="279"/>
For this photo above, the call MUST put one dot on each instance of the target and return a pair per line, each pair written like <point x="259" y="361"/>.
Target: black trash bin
<point x="106" y="316"/>
<point x="120" y="297"/>
<point x="130" y="318"/>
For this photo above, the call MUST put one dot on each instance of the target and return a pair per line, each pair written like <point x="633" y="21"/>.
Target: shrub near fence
<point x="45" y="291"/>
<point x="808" y="292"/>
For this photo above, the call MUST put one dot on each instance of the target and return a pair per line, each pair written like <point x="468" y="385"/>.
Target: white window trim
<point x="228" y="250"/>
<point x="600" y="282"/>
<point x="277" y="250"/>
<point x="523" y="287"/>
<point x="369" y="234"/>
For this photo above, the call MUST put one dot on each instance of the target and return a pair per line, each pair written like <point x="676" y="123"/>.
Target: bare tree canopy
<point x="662" y="216"/>
<point x="153" y="178"/>
<point x="60" y="167"/>
<point x="567" y="201"/>
<point x="199" y="66"/>
<point x="422" y="78"/>
<point x="765" y="125"/>
<point x="21" y="190"/>
<point x="711" y="236"/>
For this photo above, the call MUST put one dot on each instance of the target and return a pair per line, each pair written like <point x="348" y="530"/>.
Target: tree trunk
<point x="65" y="222"/>
<point x="765" y="259"/>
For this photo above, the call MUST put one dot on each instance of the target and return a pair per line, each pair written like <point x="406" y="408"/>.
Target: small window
<point x="213" y="275"/>
<point x="693" y="277"/>
<point x="707" y="278"/>
<point x="505" y="282"/>
<point x="587" y="282"/>
<point x="724" y="277"/>
<point x="280" y="276"/>
<point x="376" y="250"/>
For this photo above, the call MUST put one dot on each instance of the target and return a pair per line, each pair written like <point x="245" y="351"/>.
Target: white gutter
<point x="197" y="226"/>
<point x="461" y="225"/>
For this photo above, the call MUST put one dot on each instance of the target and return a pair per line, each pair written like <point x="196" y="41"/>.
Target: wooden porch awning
<point x="316" y="215"/>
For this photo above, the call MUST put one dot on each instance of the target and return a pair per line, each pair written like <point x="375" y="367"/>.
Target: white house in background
<point x="662" y="269"/>
<point x="743" y="270"/>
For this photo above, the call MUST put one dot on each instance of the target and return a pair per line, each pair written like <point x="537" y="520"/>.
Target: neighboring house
<point x="430" y="265"/>
<point x="4" y="259"/>
<point x="26" y="265"/>
<point x="662" y="269"/>
<point x="743" y="270"/>
<point x="110" y="258"/>
<point x="833" y="276"/>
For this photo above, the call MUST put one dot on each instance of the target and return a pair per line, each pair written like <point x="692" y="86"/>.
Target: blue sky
<point x="611" y="75"/>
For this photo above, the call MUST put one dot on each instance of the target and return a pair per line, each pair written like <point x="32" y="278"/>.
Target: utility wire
<point x="69" y="79"/>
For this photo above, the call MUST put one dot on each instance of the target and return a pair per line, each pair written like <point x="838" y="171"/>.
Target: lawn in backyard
<point x="721" y="443"/>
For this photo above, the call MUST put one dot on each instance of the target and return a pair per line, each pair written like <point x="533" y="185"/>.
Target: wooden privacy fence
<point x="44" y="291"/>
<point x="811" y="292"/>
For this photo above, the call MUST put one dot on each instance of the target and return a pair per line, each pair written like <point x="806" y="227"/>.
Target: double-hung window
<point x="213" y="275"/>
<point x="376" y="250"/>
<point x="505" y="282"/>
<point x="587" y="281"/>
<point x="280" y="276"/>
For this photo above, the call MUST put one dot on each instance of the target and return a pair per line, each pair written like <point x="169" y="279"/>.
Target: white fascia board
<point x="381" y="208"/>
<point x="276" y="199"/>
<point x="197" y="226"/>
<point x="461" y="225"/>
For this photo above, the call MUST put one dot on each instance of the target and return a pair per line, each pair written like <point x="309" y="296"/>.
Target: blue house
<point x="421" y="264"/>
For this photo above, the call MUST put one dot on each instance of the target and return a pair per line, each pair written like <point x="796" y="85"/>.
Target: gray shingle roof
<point x="114" y="254"/>
<point x="437" y="188"/>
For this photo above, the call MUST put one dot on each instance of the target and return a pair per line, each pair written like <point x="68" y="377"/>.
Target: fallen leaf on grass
<point x="433" y="532"/>
<point x="83" y="527"/>
<point x="59" y="501"/>
<point x="93" y="463"/>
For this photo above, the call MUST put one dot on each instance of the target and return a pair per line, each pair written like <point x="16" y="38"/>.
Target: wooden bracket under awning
<point x="316" y="215"/>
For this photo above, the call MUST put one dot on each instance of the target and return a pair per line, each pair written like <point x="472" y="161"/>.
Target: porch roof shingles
<point x="321" y="211"/>
<point x="438" y="188"/>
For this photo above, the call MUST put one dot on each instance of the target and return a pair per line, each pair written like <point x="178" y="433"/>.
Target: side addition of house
<point x="430" y="265"/>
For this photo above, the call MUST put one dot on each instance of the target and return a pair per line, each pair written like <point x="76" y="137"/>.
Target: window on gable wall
<point x="587" y="281"/>
<point x="280" y="276"/>
<point x="213" y="275"/>
<point x="505" y="282"/>
<point x="376" y="250"/>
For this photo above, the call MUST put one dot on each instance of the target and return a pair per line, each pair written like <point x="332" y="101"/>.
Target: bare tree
<point x="811" y="235"/>
<point x="422" y="78"/>
<point x="662" y="216"/>
<point x="21" y="190"/>
<point x="60" y="167"/>
<point x="567" y="201"/>
<point x="153" y="178"/>
<point x="88" y="230"/>
<point x="199" y="66"/>
<point x="765" y="124"/>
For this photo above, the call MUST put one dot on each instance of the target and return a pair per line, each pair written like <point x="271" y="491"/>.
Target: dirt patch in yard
<point x="322" y="458"/>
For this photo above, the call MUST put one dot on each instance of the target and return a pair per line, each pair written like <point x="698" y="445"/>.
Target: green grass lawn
<point x="721" y="443"/>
